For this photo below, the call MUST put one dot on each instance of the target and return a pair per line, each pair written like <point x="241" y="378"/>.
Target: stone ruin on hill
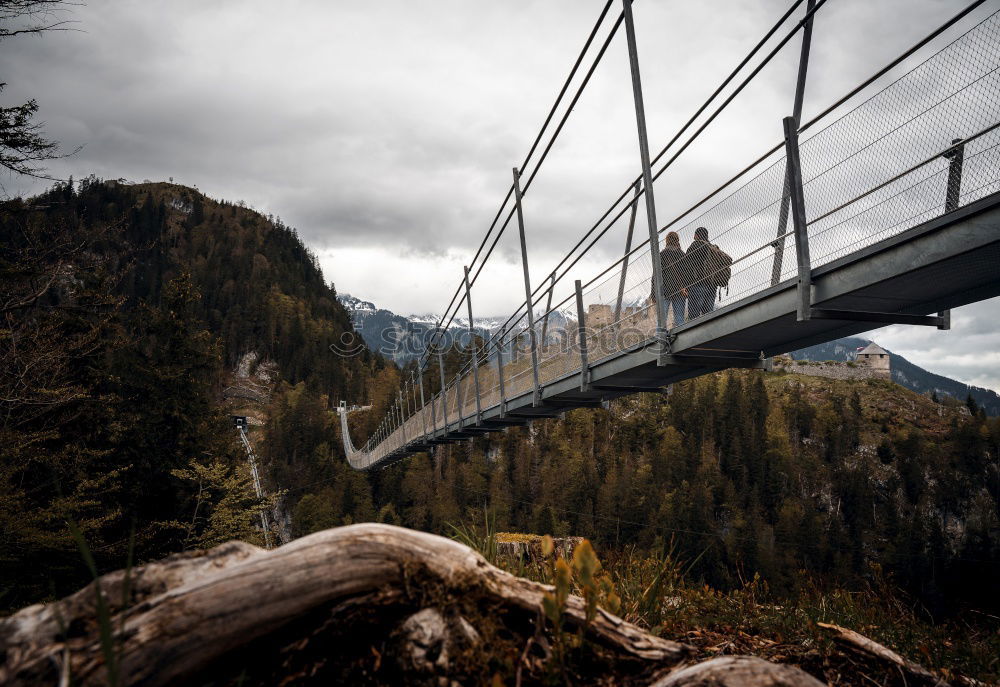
<point x="871" y="362"/>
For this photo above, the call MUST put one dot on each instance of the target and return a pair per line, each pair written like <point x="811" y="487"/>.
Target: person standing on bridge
<point x="706" y="267"/>
<point x="674" y="293"/>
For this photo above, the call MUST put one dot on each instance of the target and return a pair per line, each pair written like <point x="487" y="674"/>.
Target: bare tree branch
<point x="23" y="146"/>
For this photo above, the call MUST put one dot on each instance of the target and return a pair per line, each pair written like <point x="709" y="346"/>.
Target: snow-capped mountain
<point x="403" y="338"/>
<point x="353" y="304"/>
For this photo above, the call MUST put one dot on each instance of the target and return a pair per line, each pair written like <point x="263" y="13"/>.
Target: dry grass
<point x="655" y="594"/>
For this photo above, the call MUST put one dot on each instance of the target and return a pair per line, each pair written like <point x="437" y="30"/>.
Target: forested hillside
<point x="121" y="309"/>
<point x="800" y="479"/>
<point x="262" y="290"/>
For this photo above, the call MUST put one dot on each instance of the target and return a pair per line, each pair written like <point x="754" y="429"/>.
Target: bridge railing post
<point x="399" y="413"/>
<point x="794" y="173"/>
<point x="628" y="249"/>
<point x="394" y="427"/>
<point x="406" y="395"/>
<point x="423" y="404"/>
<point x="444" y="395"/>
<point x="952" y="198"/>
<point x="503" y="395"/>
<point x="532" y="334"/>
<point x="582" y="334"/>
<point x="413" y="395"/>
<point x="473" y="351"/>
<point x="458" y="398"/>
<point x="956" y="158"/>
<point x="402" y="422"/>
<point x="548" y="308"/>
<point x="647" y="184"/>
<point x="800" y="88"/>
<point x="402" y="411"/>
<point x="402" y="400"/>
<point x="423" y="407"/>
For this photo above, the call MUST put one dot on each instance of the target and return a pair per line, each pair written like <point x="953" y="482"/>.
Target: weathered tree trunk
<point x="912" y="672"/>
<point x="353" y="598"/>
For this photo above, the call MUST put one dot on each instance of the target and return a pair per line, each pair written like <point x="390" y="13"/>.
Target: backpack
<point x="720" y="266"/>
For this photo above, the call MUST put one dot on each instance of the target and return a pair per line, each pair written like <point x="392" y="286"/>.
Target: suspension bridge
<point x="882" y="209"/>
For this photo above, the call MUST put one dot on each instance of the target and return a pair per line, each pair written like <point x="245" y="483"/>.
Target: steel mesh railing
<point x="953" y="94"/>
<point x="871" y="173"/>
<point x="852" y="194"/>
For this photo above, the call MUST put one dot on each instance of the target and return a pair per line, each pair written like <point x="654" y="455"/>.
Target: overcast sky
<point x="385" y="132"/>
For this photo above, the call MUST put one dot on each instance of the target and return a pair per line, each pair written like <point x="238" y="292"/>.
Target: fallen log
<point x="367" y="602"/>
<point x="870" y="648"/>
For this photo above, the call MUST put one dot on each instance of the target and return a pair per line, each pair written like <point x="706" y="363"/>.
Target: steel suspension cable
<point x="946" y="25"/>
<point x="728" y="79"/>
<point x="895" y="62"/>
<point x="740" y="88"/>
<point x="562" y="122"/>
<point x="892" y="64"/>
<point x="531" y="151"/>
<point x="700" y="110"/>
<point x="539" y="289"/>
<point x="545" y="153"/>
<point x="880" y="73"/>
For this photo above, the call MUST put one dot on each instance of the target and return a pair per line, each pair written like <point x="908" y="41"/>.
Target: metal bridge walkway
<point x="945" y="263"/>
<point x="888" y="213"/>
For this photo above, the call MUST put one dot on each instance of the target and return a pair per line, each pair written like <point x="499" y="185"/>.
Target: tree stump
<point x="528" y="547"/>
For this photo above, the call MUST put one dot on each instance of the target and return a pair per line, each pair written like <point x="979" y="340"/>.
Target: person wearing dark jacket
<point x="671" y="265"/>
<point x="699" y="266"/>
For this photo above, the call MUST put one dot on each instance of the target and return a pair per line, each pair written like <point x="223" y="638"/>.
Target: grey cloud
<point x="394" y="125"/>
<point x="969" y="352"/>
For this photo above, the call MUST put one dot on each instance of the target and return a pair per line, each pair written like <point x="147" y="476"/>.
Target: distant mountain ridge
<point x="403" y="338"/>
<point x="385" y="332"/>
<point x="904" y="372"/>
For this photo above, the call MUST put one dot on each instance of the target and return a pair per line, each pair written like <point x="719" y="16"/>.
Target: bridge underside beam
<point x="938" y="321"/>
<point x="500" y="423"/>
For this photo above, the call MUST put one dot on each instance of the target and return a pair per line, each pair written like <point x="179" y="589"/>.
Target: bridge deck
<point x="947" y="262"/>
<point x="895" y="214"/>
